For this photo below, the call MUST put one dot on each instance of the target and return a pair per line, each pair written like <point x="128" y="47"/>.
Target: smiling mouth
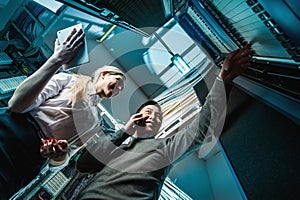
<point x="109" y="92"/>
<point x="112" y="86"/>
<point x="150" y="123"/>
<point x="111" y="89"/>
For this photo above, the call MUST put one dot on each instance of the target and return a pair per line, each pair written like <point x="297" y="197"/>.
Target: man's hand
<point x="134" y="122"/>
<point x="54" y="149"/>
<point x="235" y="63"/>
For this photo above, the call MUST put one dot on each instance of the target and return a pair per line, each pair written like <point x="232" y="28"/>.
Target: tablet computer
<point x="82" y="56"/>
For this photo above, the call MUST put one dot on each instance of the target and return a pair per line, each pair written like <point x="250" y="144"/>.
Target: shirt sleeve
<point x="88" y="163"/>
<point x="115" y="137"/>
<point x="52" y="88"/>
<point x="210" y="120"/>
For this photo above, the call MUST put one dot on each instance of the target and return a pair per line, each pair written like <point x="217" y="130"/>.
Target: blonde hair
<point x="78" y="90"/>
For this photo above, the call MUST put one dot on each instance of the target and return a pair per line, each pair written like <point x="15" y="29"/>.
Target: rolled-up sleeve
<point x="52" y="88"/>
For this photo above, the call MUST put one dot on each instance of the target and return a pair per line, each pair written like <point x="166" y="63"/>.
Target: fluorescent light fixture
<point x="52" y="5"/>
<point x="182" y="66"/>
<point x="167" y="7"/>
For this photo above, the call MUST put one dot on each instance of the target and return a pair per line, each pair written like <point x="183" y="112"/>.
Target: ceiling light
<point x="52" y="5"/>
<point x="179" y="62"/>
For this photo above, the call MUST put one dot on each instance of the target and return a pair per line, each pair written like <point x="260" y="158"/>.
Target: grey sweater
<point x="138" y="168"/>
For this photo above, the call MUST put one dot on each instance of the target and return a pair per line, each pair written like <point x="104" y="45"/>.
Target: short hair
<point x="149" y="102"/>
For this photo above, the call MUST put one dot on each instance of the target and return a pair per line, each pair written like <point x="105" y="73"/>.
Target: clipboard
<point x="82" y="56"/>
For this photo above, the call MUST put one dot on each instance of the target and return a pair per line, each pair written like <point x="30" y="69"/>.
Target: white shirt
<point x="55" y="115"/>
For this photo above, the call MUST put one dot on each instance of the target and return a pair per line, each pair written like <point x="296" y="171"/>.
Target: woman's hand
<point x="65" y="52"/>
<point x="54" y="149"/>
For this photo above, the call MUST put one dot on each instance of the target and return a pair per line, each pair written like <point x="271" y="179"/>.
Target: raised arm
<point x="235" y="63"/>
<point x="28" y="90"/>
<point x="211" y="118"/>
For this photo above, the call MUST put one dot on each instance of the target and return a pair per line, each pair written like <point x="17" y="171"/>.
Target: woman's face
<point x="109" y="85"/>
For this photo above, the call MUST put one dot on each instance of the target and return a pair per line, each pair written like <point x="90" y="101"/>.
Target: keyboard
<point x="5" y="59"/>
<point x="10" y="84"/>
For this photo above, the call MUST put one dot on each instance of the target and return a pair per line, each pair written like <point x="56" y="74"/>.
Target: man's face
<point x="153" y="119"/>
<point x="110" y="85"/>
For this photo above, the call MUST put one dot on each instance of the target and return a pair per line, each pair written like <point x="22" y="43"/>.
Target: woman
<point x="49" y="110"/>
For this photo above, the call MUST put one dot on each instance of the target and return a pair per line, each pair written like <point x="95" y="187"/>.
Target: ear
<point x="103" y="74"/>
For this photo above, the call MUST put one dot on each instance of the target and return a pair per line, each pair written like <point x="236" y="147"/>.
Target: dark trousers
<point x="20" y="160"/>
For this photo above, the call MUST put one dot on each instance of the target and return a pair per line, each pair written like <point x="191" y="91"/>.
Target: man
<point x="138" y="167"/>
<point x="49" y="110"/>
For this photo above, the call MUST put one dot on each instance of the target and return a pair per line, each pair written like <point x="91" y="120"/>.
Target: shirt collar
<point x="131" y="139"/>
<point x="93" y="95"/>
<point x="142" y="138"/>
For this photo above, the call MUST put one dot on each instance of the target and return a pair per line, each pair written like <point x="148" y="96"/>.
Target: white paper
<point x="82" y="56"/>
